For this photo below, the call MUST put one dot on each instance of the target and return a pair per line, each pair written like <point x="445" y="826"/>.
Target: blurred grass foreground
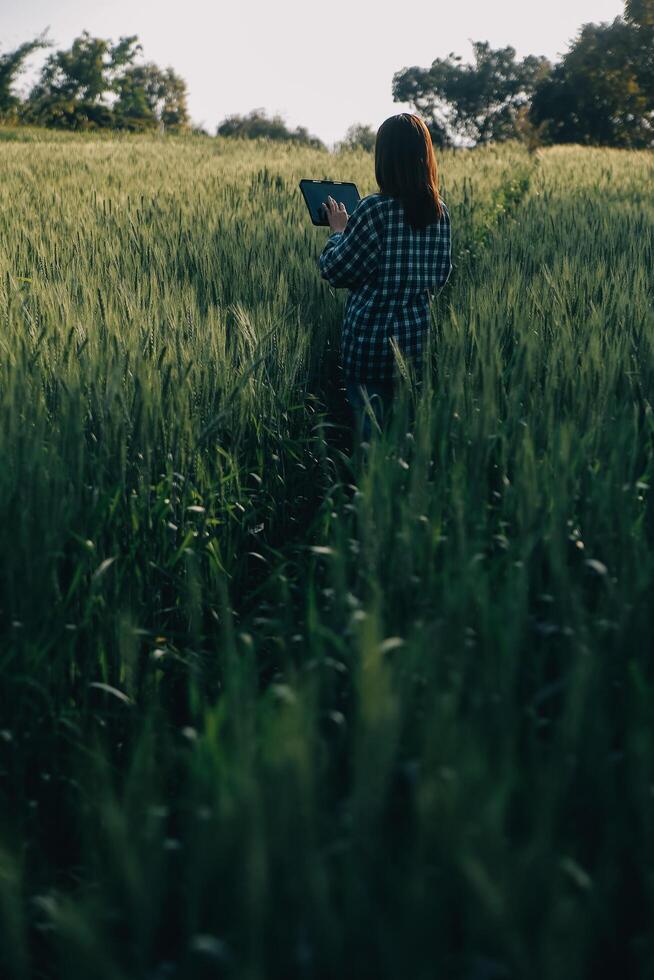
<point x="266" y="713"/>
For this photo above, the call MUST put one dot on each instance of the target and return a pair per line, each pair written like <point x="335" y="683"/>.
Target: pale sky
<point x="321" y="65"/>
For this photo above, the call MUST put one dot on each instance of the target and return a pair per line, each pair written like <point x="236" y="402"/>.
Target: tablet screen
<point x="316" y="193"/>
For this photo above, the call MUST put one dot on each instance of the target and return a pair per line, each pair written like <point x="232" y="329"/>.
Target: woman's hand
<point x="337" y="216"/>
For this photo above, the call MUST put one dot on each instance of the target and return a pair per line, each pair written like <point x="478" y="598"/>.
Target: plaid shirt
<point x="391" y="271"/>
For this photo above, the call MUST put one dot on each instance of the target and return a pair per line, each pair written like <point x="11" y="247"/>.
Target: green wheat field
<point x="268" y="710"/>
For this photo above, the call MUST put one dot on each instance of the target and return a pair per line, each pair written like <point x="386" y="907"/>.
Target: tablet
<point x="316" y="193"/>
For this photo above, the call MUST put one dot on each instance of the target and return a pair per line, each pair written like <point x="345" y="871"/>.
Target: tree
<point x="11" y="64"/>
<point x="139" y="95"/>
<point x="148" y="96"/>
<point x="471" y="103"/>
<point x="597" y="94"/>
<point x="359" y="137"/>
<point x="174" y="108"/>
<point x="639" y="14"/>
<point x="257" y="125"/>
<point x="74" y="84"/>
<point x="97" y="83"/>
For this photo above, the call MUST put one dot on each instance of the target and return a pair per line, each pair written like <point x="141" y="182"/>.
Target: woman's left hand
<point x="337" y="216"/>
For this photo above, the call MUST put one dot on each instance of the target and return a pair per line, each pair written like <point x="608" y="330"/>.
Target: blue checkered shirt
<point x="391" y="271"/>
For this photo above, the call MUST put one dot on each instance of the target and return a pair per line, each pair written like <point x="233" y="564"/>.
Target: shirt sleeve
<point x="350" y="257"/>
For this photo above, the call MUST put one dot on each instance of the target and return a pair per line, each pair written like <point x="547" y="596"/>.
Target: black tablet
<point x="316" y="193"/>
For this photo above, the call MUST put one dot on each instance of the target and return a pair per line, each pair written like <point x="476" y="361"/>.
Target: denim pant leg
<point x="380" y="397"/>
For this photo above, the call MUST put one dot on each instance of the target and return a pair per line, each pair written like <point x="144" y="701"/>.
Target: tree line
<point x="94" y="84"/>
<point x="600" y="93"/>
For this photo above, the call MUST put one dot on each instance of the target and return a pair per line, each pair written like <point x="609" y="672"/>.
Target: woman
<point x="391" y="253"/>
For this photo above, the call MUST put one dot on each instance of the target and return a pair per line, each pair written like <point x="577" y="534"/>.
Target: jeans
<point x="380" y="394"/>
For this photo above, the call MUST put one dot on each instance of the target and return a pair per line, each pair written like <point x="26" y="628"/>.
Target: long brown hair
<point x="406" y="168"/>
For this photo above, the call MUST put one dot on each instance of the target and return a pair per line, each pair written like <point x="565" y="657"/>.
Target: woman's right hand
<point x="337" y="216"/>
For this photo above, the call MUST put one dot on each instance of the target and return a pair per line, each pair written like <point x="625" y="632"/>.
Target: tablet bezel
<point x="328" y="183"/>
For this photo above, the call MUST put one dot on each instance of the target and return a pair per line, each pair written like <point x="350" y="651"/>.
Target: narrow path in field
<point x="340" y="471"/>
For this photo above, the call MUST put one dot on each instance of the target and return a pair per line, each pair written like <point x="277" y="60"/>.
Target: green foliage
<point x="98" y="84"/>
<point x="147" y="95"/>
<point x="640" y="14"/>
<point x="11" y="65"/>
<point x="599" y="92"/>
<point x="257" y="125"/>
<point x="174" y="110"/>
<point x="139" y="91"/>
<point x="474" y="103"/>
<point x="266" y="711"/>
<point x="359" y="137"/>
